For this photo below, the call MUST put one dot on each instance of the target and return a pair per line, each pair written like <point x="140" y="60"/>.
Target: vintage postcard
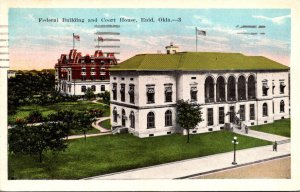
<point x="156" y="96"/>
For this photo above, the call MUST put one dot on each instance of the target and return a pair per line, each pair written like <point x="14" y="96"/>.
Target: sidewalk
<point x="96" y="126"/>
<point x="196" y="166"/>
<point x="261" y="135"/>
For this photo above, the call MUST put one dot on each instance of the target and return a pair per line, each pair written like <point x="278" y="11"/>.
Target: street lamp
<point x="235" y="142"/>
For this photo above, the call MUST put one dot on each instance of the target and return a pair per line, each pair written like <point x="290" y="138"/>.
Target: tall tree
<point x="89" y="94"/>
<point x="188" y="116"/>
<point x="34" y="140"/>
<point x="83" y="121"/>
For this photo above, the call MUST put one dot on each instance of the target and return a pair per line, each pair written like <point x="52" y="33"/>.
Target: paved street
<point x="191" y="167"/>
<point x="279" y="168"/>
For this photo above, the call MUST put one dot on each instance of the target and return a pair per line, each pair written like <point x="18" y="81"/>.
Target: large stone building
<point x="75" y="73"/>
<point x="145" y="88"/>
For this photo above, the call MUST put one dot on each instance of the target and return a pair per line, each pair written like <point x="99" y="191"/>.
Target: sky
<point x="38" y="45"/>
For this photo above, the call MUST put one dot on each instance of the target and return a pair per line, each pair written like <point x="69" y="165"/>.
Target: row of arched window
<point x="150" y="118"/>
<point x="236" y="90"/>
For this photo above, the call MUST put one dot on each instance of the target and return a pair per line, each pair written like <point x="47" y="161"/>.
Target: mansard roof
<point x="198" y="61"/>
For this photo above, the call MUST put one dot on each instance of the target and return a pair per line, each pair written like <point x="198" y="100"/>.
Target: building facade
<point x="75" y="73"/>
<point x="145" y="89"/>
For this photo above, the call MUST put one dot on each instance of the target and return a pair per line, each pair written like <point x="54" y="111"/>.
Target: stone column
<point x="246" y="90"/>
<point x="236" y="91"/>
<point x="226" y="91"/>
<point x="215" y="92"/>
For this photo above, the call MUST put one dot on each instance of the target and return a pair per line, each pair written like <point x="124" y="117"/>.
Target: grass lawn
<point x="24" y="111"/>
<point x="105" y="124"/>
<point x="280" y="127"/>
<point x="111" y="153"/>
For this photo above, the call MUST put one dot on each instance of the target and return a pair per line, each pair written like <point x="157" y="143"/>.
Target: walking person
<point x="275" y="146"/>
<point x="246" y="129"/>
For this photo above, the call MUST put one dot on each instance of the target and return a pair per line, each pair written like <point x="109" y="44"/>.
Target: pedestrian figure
<point x="246" y="129"/>
<point x="275" y="146"/>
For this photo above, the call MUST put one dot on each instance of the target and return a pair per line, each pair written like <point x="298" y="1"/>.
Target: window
<point x="83" y="89"/>
<point x="150" y="120"/>
<point x="281" y="106"/>
<point x="282" y="86"/>
<point x="194" y="93"/>
<point x="150" y="95"/>
<point x="83" y="70"/>
<point x="242" y="112"/>
<point x="102" y="77"/>
<point x="83" y="77"/>
<point x="131" y="93"/>
<point x="115" y="115"/>
<point x="221" y="115"/>
<point x="114" y="91"/>
<point x="265" y="88"/>
<point x="132" y="119"/>
<point x="93" y="87"/>
<point x="265" y="109"/>
<point x="273" y="87"/>
<point x="122" y="92"/>
<point x="102" y="87"/>
<point x="168" y="118"/>
<point x="93" y="77"/>
<point x="168" y="94"/>
<point x="210" y="116"/>
<point x="252" y="112"/>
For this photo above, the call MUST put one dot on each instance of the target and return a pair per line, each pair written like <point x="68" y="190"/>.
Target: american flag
<point x="201" y="32"/>
<point x="76" y="37"/>
<point x="100" y="39"/>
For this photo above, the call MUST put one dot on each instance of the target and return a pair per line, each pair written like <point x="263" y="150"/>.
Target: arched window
<point x="168" y="118"/>
<point x="93" y="87"/>
<point x="150" y="120"/>
<point x="220" y="89"/>
<point x="281" y="106"/>
<point x="231" y="89"/>
<point x="241" y="88"/>
<point x="132" y="119"/>
<point x="115" y="115"/>
<point x="209" y="89"/>
<point x="251" y="87"/>
<point x="265" y="109"/>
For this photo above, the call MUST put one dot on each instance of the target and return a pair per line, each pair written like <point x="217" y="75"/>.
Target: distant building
<point x="146" y="87"/>
<point x="75" y="73"/>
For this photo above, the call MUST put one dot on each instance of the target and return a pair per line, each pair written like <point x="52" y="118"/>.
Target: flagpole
<point x="98" y="42"/>
<point x="196" y="40"/>
<point x="73" y="42"/>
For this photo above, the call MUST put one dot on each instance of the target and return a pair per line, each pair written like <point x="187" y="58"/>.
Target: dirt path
<point x="273" y="169"/>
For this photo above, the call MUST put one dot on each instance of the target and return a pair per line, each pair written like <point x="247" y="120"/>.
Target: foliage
<point x="33" y="87"/>
<point x="83" y="121"/>
<point x="89" y="94"/>
<point x="112" y="153"/>
<point x="188" y="115"/>
<point x="50" y="111"/>
<point x="34" y="140"/>
<point x="105" y="97"/>
<point x="35" y="117"/>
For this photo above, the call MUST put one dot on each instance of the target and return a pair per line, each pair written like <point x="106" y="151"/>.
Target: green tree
<point x="106" y="97"/>
<point x="35" y="117"/>
<point x="89" y="94"/>
<point x="83" y="121"/>
<point x="34" y="140"/>
<point x="188" y="116"/>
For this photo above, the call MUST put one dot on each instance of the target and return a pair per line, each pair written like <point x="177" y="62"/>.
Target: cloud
<point x="277" y="20"/>
<point x="203" y="20"/>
